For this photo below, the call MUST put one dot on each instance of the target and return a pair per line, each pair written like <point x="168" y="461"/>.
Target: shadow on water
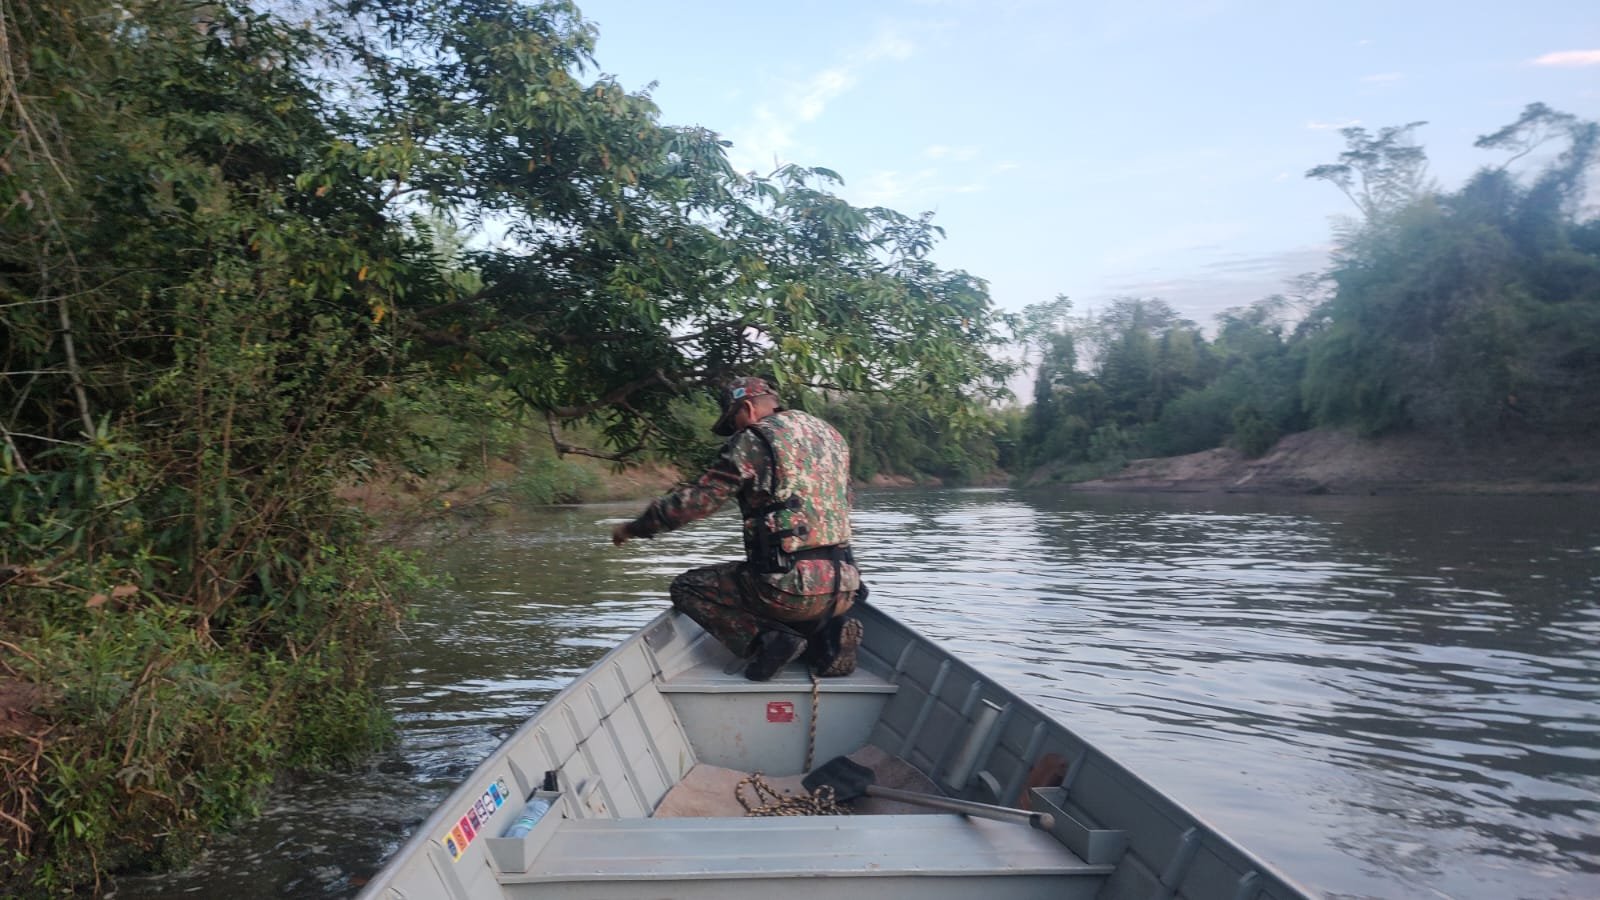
<point x="1386" y="697"/>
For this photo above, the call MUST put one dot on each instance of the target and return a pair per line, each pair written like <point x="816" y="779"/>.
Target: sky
<point x="1128" y="148"/>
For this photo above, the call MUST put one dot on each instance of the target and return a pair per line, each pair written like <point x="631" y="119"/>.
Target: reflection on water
<point x="1385" y="697"/>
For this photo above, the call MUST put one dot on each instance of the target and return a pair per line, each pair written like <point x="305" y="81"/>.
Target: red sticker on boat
<point x="780" y="711"/>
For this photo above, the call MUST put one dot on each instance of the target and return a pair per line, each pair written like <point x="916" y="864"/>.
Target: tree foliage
<point x="1471" y="313"/>
<point x="1128" y="380"/>
<point x="1379" y="173"/>
<point x="225" y="276"/>
<point x="635" y="265"/>
<point x="893" y="439"/>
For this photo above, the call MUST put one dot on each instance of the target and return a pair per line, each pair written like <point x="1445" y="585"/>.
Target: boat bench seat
<point x="720" y="852"/>
<point x="710" y="677"/>
<point x="763" y="726"/>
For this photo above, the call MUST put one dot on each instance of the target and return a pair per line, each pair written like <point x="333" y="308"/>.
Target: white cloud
<point x="1316" y="125"/>
<point x="890" y="187"/>
<point x="1189" y="237"/>
<point x="880" y="188"/>
<point x="759" y="145"/>
<point x="1569" y="58"/>
<point x="765" y="141"/>
<point x="823" y="87"/>
<point x="925" y="186"/>
<point x="1235" y="280"/>
<point x="889" y="46"/>
<point x="1383" y="77"/>
<point x="959" y="154"/>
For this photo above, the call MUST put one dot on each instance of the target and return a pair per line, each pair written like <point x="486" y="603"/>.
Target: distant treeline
<point x="889" y="438"/>
<point x="1472" y="313"/>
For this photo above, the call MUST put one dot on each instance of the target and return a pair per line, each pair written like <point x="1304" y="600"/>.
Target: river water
<point x="1386" y="697"/>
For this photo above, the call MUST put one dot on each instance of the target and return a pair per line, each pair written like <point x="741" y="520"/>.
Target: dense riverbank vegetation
<point x="251" y="253"/>
<point x="1472" y="315"/>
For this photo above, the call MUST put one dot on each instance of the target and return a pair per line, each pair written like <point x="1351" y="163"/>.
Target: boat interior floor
<point x="708" y="790"/>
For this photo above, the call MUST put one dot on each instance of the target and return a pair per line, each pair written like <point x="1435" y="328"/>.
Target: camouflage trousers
<point x="733" y="605"/>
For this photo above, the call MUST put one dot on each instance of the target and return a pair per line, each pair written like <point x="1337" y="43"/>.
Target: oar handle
<point x="1041" y="821"/>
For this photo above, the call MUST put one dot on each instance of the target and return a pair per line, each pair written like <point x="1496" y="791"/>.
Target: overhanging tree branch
<point x="611" y="398"/>
<point x="563" y="448"/>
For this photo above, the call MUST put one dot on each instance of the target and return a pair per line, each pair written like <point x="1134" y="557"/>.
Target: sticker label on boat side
<point x="466" y="829"/>
<point x="780" y="711"/>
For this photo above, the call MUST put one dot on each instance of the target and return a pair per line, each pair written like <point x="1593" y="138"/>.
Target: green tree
<point x="1469" y="313"/>
<point x="641" y="267"/>
<point x="1380" y="173"/>
<point x="1465" y="312"/>
<point x="224" y="292"/>
<point x="1102" y="380"/>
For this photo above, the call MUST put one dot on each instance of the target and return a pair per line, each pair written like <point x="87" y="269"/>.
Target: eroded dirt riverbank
<point x="1337" y="462"/>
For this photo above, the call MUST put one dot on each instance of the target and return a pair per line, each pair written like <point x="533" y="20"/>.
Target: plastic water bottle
<point x="530" y="816"/>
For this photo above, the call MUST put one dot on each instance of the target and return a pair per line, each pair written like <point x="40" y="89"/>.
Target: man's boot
<point x="836" y="656"/>
<point x="778" y="649"/>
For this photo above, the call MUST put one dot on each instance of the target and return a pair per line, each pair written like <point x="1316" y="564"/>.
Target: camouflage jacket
<point x="812" y="466"/>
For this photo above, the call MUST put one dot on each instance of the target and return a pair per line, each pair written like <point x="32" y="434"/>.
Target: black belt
<point x="840" y="555"/>
<point x="836" y="552"/>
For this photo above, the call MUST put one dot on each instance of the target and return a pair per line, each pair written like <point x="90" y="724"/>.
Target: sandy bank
<point x="1338" y="462"/>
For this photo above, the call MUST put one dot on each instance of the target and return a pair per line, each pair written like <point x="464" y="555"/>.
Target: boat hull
<point x="616" y="742"/>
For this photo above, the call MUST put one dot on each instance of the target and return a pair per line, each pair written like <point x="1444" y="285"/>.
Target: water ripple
<point x="1387" y="697"/>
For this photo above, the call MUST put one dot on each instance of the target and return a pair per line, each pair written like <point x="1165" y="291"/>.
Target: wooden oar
<point x="849" y="780"/>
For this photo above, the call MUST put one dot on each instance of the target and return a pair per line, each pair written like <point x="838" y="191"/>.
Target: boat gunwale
<point x="420" y="839"/>
<point x="1121" y="771"/>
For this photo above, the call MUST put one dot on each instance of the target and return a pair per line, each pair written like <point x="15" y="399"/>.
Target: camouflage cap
<point x="739" y="389"/>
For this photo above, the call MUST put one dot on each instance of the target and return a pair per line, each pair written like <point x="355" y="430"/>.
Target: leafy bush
<point x="1253" y="433"/>
<point x="1194" y="421"/>
<point x="546" y="480"/>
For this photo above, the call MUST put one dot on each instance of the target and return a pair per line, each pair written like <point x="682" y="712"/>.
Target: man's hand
<point x="620" y="535"/>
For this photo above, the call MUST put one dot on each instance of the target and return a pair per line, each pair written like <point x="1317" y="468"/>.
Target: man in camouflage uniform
<point x="791" y="474"/>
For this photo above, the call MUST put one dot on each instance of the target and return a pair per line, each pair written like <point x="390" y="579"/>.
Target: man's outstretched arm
<point x="719" y="484"/>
